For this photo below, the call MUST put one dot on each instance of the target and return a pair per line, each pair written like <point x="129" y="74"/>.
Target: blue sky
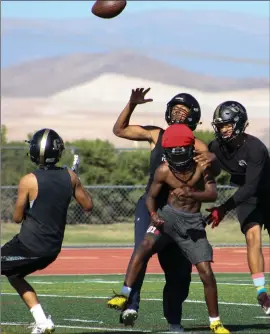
<point x="64" y="9"/>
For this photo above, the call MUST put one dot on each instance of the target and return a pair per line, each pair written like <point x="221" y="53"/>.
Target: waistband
<point x="182" y="213"/>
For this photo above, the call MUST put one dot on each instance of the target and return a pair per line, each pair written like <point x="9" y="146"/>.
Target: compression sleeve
<point x="255" y="165"/>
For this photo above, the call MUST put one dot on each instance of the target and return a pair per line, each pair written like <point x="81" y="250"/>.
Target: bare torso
<point x="192" y="180"/>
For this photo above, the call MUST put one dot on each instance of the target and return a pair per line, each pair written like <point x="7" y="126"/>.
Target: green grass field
<point x="228" y="232"/>
<point x="78" y="305"/>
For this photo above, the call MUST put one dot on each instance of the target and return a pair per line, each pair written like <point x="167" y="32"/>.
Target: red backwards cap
<point x="178" y="135"/>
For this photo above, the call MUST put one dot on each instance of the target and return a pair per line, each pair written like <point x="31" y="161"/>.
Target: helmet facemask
<point x="179" y="158"/>
<point x="191" y="111"/>
<point x="238" y="128"/>
<point x="179" y="114"/>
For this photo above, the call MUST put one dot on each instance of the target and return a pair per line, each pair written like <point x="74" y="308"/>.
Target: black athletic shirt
<point x="249" y="166"/>
<point x="42" y="231"/>
<point x="156" y="158"/>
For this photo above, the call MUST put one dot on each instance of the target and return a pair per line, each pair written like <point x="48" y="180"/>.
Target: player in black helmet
<point x="175" y="113"/>
<point x="182" y="108"/>
<point x="247" y="160"/>
<point x="42" y="203"/>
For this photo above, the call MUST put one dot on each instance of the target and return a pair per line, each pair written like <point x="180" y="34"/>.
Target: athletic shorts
<point x="187" y="230"/>
<point x="253" y="212"/>
<point x="18" y="260"/>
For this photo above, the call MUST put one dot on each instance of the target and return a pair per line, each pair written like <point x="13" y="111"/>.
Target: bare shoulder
<point x="200" y="145"/>
<point x="28" y="180"/>
<point x="162" y="171"/>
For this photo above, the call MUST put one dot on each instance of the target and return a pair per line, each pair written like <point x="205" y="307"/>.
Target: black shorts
<point x="18" y="260"/>
<point x="254" y="212"/>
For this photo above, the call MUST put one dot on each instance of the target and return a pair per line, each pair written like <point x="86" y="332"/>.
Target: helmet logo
<point x="242" y="163"/>
<point x="57" y="144"/>
<point x="163" y="158"/>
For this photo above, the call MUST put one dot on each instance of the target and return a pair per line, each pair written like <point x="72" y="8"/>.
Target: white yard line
<point x="81" y="320"/>
<point x="81" y="327"/>
<point x="145" y="299"/>
<point x="88" y="281"/>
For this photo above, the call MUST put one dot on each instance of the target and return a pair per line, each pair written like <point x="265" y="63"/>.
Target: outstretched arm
<point x="123" y="129"/>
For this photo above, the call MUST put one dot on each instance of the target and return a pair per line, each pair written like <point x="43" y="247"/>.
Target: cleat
<point x="264" y="301"/>
<point x="43" y="328"/>
<point x="217" y="328"/>
<point x="118" y="302"/>
<point x="176" y="328"/>
<point x="128" y="317"/>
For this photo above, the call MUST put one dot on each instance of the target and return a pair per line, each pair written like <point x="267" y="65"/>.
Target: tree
<point x="205" y="135"/>
<point x="132" y="168"/>
<point x="98" y="160"/>
<point x="3" y="134"/>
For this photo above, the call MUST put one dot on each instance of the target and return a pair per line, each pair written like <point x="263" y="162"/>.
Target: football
<point x="108" y="9"/>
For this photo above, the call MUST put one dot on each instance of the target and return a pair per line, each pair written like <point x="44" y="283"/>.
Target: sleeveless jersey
<point x="42" y="231"/>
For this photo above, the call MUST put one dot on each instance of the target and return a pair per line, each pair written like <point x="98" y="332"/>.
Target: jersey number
<point x="151" y="229"/>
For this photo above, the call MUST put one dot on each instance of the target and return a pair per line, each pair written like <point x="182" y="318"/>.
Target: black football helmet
<point x="190" y="102"/>
<point x="46" y="147"/>
<point x="230" y="112"/>
<point x="179" y="158"/>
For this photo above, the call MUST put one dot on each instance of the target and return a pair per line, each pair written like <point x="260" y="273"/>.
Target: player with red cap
<point x="179" y="221"/>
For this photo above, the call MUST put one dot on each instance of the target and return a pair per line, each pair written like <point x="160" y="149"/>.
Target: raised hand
<point x="138" y="96"/>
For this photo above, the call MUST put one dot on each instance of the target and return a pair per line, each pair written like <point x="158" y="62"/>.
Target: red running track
<point x="115" y="260"/>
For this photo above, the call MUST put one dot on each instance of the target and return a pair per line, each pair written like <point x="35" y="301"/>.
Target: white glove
<point x="76" y="163"/>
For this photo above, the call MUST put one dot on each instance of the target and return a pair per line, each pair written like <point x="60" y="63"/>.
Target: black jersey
<point x="156" y="158"/>
<point x="42" y="231"/>
<point x="249" y="167"/>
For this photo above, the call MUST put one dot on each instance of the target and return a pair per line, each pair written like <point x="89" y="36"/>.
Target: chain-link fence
<point x="112" y="204"/>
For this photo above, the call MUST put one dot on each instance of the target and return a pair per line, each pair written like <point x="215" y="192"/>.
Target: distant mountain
<point x="45" y="77"/>
<point x="208" y="42"/>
